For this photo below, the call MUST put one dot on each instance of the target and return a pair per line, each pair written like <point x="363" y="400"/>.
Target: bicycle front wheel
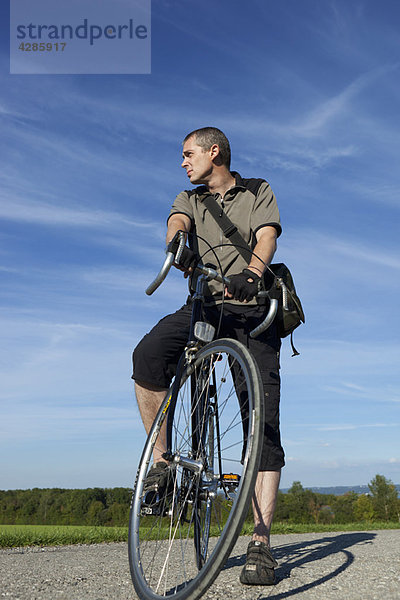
<point x="180" y="538"/>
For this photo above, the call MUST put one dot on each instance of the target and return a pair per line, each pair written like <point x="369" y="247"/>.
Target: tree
<point x="96" y="513"/>
<point x="384" y="498"/>
<point x="118" y="495"/>
<point x="363" y="508"/>
<point x="297" y="502"/>
<point x="118" y="515"/>
<point x="281" y="510"/>
<point x="343" y="507"/>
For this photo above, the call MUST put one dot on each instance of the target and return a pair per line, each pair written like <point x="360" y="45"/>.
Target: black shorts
<point x="155" y="359"/>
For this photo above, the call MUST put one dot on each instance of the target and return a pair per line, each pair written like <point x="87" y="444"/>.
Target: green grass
<point x="58" y="535"/>
<point x="278" y="528"/>
<point x="12" y="536"/>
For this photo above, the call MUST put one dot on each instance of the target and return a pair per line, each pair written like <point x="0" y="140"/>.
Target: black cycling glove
<point x="188" y="257"/>
<point x="244" y="285"/>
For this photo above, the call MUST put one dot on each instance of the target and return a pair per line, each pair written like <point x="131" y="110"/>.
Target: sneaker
<point x="260" y="565"/>
<point x="159" y="484"/>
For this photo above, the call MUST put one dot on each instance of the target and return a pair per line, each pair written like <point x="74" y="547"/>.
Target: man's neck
<point x="220" y="183"/>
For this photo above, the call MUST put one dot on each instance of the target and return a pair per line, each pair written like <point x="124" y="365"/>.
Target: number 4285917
<point x="42" y="46"/>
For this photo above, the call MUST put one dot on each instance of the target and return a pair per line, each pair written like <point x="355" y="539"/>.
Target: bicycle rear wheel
<point x="180" y="540"/>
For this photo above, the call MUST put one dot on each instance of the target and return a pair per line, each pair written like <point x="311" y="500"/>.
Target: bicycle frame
<point x="191" y="348"/>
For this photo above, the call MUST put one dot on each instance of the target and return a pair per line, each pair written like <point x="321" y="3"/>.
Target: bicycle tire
<point x="205" y="449"/>
<point x="157" y="531"/>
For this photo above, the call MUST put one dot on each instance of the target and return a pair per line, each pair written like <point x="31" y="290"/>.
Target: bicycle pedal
<point x="155" y="511"/>
<point x="146" y="511"/>
<point x="230" y="479"/>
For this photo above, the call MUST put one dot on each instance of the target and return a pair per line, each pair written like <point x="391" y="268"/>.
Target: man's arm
<point x="178" y="222"/>
<point x="243" y="286"/>
<point x="181" y="222"/>
<point x="265" y="249"/>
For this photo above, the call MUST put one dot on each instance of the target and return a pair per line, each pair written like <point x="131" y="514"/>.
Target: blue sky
<point x="308" y="94"/>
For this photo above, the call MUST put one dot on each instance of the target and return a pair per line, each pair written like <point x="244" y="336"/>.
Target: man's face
<point x="196" y="161"/>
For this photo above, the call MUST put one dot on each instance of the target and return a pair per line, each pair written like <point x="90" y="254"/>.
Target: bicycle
<point x="211" y="424"/>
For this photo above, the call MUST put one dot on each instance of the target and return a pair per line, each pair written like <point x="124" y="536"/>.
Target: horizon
<point x="308" y="96"/>
<point x="281" y="489"/>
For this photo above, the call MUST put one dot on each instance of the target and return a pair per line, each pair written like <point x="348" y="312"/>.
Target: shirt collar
<point x="238" y="179"/>
<point x="203" y="192"/>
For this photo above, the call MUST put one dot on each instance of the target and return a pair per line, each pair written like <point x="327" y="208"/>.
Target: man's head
<point x="204" y="150"/>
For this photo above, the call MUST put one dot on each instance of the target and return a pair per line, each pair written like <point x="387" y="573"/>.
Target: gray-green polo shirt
<point x="250" y="204"/>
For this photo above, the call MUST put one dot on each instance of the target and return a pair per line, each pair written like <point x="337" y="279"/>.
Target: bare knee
<point x="149" y="386"/>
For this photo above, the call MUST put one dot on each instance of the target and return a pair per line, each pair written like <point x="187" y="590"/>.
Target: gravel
<point x="348" y="565"/>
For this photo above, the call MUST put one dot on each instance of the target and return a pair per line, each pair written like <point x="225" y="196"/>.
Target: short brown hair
<point x="207" y="136"/>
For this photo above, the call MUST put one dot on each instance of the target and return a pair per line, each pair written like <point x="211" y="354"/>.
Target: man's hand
<point x="187" y="260"/>
<point x="243" y="286"/>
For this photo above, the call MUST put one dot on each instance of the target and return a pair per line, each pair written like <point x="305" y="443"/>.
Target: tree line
<point x="110" y="507"/>
<point x="301" y="505"/>
<point x="56" y="506"/>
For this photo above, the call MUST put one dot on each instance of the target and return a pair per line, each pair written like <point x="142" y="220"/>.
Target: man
<point x="252" y="208"/>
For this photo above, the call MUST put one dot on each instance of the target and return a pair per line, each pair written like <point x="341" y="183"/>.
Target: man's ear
<point x="215" y="153"/>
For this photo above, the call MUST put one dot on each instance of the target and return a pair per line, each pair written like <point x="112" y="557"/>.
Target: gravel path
<point x="323" y="566"/>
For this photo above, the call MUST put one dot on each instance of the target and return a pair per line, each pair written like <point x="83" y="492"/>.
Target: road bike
<point x="210" y="427"/>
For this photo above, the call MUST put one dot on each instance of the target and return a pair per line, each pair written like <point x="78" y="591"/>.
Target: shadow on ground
<point x="305" y="552"/>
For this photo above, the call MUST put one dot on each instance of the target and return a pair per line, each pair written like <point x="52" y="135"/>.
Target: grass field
<point x="58" y="535"/>
<point x="12" y="536"/>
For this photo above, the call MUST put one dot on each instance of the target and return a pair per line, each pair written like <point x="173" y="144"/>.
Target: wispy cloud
<point x="353" y="427"/>
<point x="94" y="155"/>
<point x="63" y="360"/>
<point x="377" y="191"/>
<point x="296" y="156"/>
<point x="315" y="252"/>
<point x="7" y="111"/>
<point x="374" y="256"/>
<point x="338" y="106"/>
<point x="46" y="213"/>
<point x="57" y="421"/>
<point x="377" y="394"/>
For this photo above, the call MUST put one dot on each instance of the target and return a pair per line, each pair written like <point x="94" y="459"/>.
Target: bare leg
<point x="264" y="502"/>
<point x="149" y="399"/>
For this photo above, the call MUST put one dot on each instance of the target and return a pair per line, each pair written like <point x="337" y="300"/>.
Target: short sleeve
<point x="265" y="211"/>
<point x="182" y="205"/>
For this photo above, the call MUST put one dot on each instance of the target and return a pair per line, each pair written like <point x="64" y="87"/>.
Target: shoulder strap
<point x="230" y="230"/>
